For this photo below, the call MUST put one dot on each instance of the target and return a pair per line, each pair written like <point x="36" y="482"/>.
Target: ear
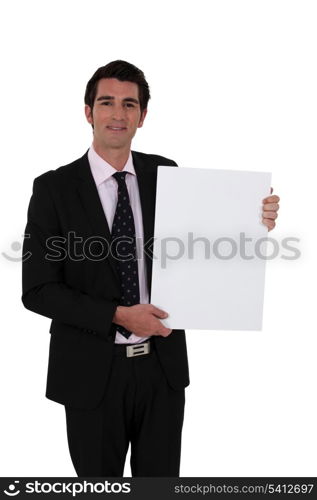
<point x="142" y="118"/>
<point x="88" y="114"/>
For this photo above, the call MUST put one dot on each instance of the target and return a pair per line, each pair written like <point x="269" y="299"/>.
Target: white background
<point x="233" y="86"/>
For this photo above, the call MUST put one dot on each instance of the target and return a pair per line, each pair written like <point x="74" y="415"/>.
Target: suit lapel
<point x="88" y="192"/>
<point x="89" y="196"/>
<point x="147" y="176"/>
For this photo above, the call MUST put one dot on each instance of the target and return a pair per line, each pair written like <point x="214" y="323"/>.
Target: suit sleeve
<point x="43" y="288"/>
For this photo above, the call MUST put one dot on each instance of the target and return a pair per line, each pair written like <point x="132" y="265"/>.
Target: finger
<point x="270" y="224"/>
<point x="159" y="312"/>
<point x="270" y="215"/>
<point x="271" y="199"/>
<point x="161" y="329"/>
<point x="271" y="207"/>
<point x="165" y="332"/>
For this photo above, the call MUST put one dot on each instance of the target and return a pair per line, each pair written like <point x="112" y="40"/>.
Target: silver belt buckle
<point x="138" y="349"/>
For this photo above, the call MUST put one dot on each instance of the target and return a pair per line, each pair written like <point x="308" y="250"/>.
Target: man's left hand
<point x="270" y="208"/>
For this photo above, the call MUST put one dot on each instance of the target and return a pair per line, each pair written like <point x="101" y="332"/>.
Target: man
<point x="119" y="372"/>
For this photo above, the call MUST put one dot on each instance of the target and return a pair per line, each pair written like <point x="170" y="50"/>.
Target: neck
<point x="117" y="158"/>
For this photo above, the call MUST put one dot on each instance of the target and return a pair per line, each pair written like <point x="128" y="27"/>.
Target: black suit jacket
<point x="80" y="293"/>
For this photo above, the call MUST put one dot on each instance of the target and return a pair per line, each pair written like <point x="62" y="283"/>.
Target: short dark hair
<point x="123" y="71"/>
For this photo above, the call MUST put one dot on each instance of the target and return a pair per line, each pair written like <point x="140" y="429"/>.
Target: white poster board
<point x="209" y="251"/>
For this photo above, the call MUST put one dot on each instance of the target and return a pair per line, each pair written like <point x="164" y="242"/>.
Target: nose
<point x="118" y="113"/>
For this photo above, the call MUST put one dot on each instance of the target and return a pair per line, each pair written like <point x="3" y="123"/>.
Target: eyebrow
<point x="111" y="98"/>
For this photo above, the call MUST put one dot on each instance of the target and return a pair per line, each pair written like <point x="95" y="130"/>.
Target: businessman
<point x="120" y="374"/>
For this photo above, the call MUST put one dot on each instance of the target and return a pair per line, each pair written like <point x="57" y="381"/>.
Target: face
<point x="116" y="114"/>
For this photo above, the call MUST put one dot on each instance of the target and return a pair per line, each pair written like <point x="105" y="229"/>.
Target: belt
<point x="132" y="350"/>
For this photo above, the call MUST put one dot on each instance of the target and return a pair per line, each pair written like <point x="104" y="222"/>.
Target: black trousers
<point x="138" y="407"/>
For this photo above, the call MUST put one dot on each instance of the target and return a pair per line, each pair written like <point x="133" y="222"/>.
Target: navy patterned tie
<point x="124" y="248"/>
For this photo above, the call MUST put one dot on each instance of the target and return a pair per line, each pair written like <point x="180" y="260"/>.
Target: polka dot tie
<point x="124" y="248"/>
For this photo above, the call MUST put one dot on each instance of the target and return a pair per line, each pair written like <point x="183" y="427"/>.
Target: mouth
<point x="117" y="129"/>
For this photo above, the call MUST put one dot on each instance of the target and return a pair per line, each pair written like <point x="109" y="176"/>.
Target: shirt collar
<point x="102" y="170"/>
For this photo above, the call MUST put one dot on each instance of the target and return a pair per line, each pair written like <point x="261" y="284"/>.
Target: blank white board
<point x="209" y="251"/>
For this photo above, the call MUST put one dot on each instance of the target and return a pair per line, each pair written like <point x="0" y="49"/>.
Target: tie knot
<point x="120" y="176"/>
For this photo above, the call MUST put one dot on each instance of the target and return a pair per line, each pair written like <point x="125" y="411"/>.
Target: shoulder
<point x="153" y="159"/>
<point x="63" y="173"/>
<point x="66" y="173"/>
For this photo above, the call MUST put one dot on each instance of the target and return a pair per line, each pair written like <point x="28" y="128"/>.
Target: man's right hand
<point x="142" y="319"/>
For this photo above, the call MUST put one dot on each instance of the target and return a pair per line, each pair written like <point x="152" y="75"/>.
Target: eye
<point x="105" y="103"/>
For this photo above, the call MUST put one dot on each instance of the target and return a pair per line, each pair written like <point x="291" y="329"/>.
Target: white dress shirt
<point x="107" y="187"/>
